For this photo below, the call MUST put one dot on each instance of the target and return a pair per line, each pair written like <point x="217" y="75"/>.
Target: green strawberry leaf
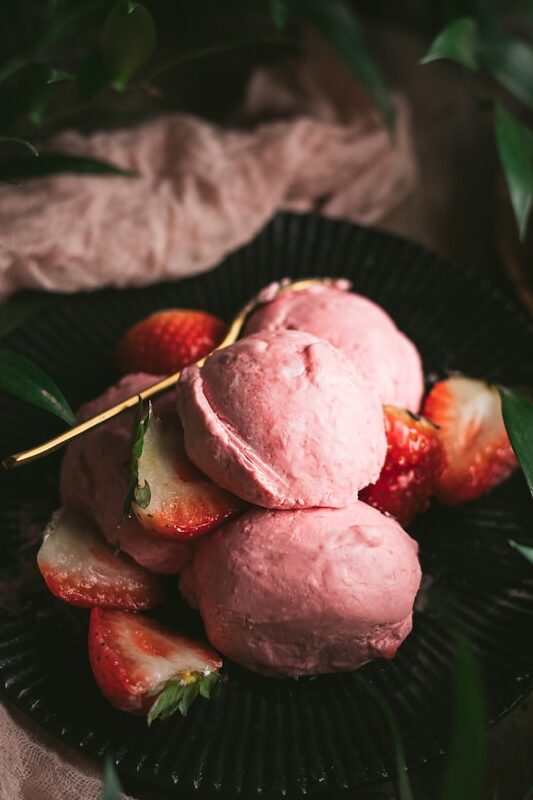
<point x="135" y="493"/>
<point x="210" y="685"/>
<point x="128" y="41"/>
<point x="111" y="790"/>
<point x="21" y="377"/>
<point x="527" y="552"/>
<point x="459" y="42"/>
<point x="179" y="696"/>
<point x="515" y="146"/>
<point x="517" y="410"/>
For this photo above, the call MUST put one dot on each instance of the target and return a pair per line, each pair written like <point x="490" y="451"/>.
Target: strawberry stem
<point x="179" y="693"/>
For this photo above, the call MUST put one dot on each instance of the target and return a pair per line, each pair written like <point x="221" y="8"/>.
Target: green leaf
<point x="465" y="772"/>
<point x="24" y="379"/>
<point x="280" y="12"/>
<point x="112" y="790"/>
<point x="178" y="695"/>
<point x="142" y="495"/>
<point x="22" y="143"/>
<point x="128" y="41"/>
<point x="209" y="684"/>
<point x="61" y="27"/>
<point x="510" y="61"/>
<point x="459" y="42"/>
<point x="515" y="146"/>
<point x="140" y="426"/>
<point x="517" y="410"/>
<point x="335" y="21"/>
<point x="404" y="784"/>
<point x="527" y="552"/>
<point x="19" y="309"/>
<point x="57" y="163"/>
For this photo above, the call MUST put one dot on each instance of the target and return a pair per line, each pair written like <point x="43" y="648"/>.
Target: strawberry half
<point x="412" y="465"/>
<point x="181" y="501"/>
<point x="143" y="668"/>
<point x="168" y="340"/>
<point x="80" y="567"/>
<point x="478" y="454"/>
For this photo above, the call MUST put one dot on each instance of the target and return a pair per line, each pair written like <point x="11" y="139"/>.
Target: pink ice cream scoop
<point x="361" y="329"/>
<point x="94" y="478"/>
<point x="306" y="591"/>
<point x="282" y="420"/>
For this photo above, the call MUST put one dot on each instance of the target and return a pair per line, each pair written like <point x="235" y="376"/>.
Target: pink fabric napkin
<point x="203" y="190"/>
<point x="305" y="139"/>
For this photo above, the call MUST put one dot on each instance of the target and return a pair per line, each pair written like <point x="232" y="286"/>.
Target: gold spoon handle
<point x="26" y="456"/>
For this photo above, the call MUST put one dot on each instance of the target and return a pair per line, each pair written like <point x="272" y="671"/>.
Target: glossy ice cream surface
<point x="306" y="591"/>
<point x="94" y="477"/>
<point x="283" y="420"/>
<point x="361" y="329"/>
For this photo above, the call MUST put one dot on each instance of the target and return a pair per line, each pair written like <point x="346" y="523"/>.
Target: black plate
<point x="275" y="738"/>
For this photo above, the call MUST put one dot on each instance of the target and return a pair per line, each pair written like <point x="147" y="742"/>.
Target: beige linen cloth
<point x="305" y="139"/>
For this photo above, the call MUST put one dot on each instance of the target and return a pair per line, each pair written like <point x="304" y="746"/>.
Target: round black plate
<point x="275" y="738"/>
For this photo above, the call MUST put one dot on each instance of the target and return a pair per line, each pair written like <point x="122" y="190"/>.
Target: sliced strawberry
<point x="168" y="340"/>
<point x="142" y="667"/>
<point x="181" y="501"/>
<point x="478" y="454"/>
<point x="80" y="567"/>
<point x="412" y="465"/>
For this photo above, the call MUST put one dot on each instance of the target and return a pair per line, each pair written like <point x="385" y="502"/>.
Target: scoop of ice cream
<point x="361" y="329"/>
<point x="94" y="476"/>
<point x="283" y="420"/>
<point x="306" y="591"/>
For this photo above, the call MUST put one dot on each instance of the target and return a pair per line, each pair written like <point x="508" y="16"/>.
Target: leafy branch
<point x="508" y="62"/>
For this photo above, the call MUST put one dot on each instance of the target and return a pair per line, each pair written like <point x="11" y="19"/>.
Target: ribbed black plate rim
<point x="273" y="738"/>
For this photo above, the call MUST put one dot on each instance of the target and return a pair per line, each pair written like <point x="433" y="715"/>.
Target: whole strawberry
<point x="169" y="340"/>
<point x="411" y="469"/>
<point x="477" y="451"/>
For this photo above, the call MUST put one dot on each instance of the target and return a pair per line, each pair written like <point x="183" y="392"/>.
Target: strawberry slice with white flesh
<point x="80" y="567"/>
<point x="144" y="668"/>
<point x="477" y="452"/>
<point x="173" y="498"/>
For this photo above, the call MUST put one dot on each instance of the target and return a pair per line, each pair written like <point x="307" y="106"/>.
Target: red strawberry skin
<point x="184" y="503"/>
<point x="132" y="656"/>
<point x="412" y="464"/>
<point x="81" y="568"/>
<point x="117" y="681"/>
<point x="477" y="452"/>
<point x="169" y="340"/>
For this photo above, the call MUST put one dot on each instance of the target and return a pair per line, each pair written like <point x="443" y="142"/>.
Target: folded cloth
<point x="307" y="140"/>
<point x="202" y="190"/>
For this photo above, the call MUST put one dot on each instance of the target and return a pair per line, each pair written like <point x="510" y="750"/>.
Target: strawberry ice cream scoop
<point x="361" y="329"/>
<point x="282" y="420"/>
<point x="306" y="591"/>
<point x="94" y="476"/>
